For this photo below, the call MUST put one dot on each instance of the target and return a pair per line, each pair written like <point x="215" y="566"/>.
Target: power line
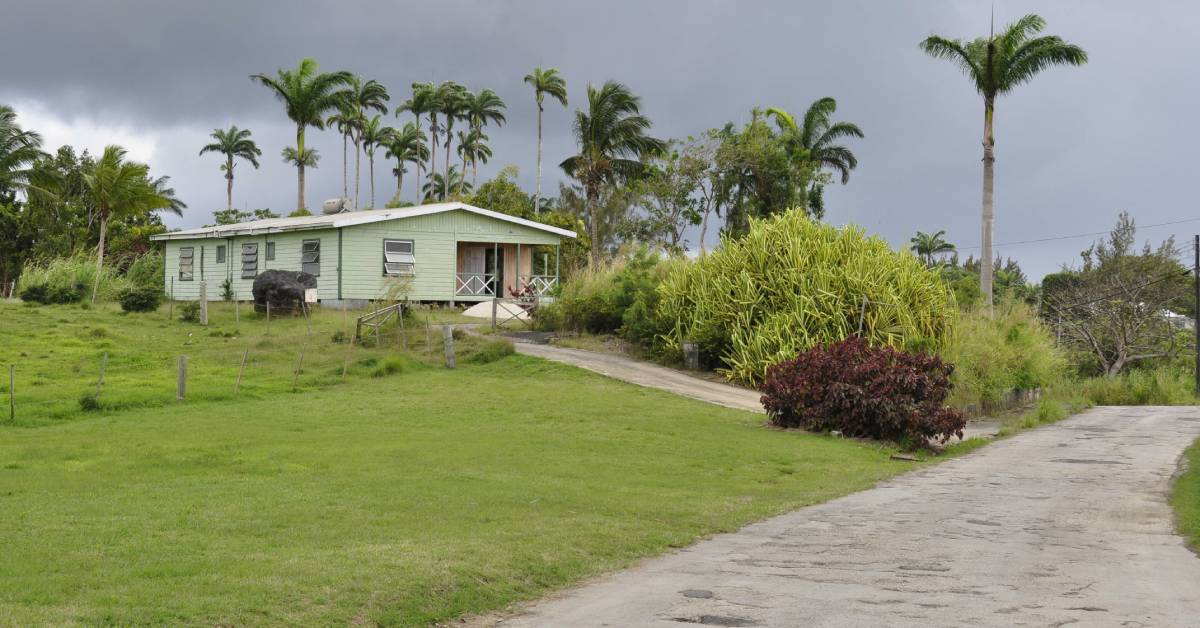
<point x="1079" y="235"/>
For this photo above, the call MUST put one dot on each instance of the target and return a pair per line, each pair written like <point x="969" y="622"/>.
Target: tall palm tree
<point x="544" y="82"/>
<point x="612" y="140"/>
<point x="363" y="96"/>
<point x="814" y="139"/>
<point x="407" y="146"/>
<point x="452" y="104"/>
<point x="345" y="121"/>
<point x="927" y="245"/>
<point x="997" y="64"/>
<point x="421" y="103"/>
<point x="118" y="187"/>
<point x="473" y="148"/>
<point x="18" y="150"/>
<point x="372" y="135"/>
<point x="307" y="95"/>
<point x="233" y="143"/>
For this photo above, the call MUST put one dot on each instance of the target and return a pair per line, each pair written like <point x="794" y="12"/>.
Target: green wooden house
<point x="446" y="252"/>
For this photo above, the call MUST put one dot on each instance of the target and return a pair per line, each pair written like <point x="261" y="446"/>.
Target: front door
<point x="494" y="266"/>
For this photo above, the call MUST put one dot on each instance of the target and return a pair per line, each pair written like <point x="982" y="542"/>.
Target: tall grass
<point x="1009" y="350"/>
<point x="70" y="279"/>
<point x="1159" y="386"/>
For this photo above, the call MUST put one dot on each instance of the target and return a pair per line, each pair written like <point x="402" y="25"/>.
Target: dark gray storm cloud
<point x="1074" y="147"/>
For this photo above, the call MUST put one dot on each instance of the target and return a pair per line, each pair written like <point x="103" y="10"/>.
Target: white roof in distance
<point x="346" y="219"/>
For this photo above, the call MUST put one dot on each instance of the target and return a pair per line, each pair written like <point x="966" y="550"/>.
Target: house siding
<point x="435" y="244"/>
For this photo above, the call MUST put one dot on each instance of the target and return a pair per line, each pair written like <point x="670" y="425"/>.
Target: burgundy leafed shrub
<point x="863" y="391"/>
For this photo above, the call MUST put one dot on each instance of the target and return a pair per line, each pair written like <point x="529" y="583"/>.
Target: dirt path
<point x="1066" y="524"/>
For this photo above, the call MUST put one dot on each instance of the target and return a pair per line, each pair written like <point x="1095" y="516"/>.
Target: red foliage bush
<point x="863" y="391"/>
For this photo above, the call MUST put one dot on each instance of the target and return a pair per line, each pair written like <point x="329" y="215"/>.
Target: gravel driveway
<point x="1062" y="525"/>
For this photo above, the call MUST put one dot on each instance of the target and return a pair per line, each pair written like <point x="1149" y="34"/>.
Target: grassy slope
<point x="1186" y="498"/>
<point x="400" y="500"/>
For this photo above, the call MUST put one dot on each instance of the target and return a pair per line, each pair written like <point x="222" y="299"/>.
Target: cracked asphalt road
<point x="1063" y="525"/>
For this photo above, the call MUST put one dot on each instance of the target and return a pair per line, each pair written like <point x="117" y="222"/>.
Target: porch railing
<point x="476" y="284"/>
<point x="541" y="284"/>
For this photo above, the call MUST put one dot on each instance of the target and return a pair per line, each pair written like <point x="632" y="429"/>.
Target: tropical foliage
<point x="232" y="143"/>
<point x="544" y="81"/>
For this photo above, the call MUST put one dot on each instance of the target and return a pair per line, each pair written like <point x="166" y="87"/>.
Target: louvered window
<point x="398" y="258"/>
<point x="249" y="261"/>
<point x="310" y="257"/>
<point x="186" y="258"/>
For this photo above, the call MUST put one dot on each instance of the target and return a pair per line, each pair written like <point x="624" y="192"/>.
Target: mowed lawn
<point x="399" y="500"/>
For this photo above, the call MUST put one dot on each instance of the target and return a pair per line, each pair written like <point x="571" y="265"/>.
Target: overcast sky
<point x="1073" y="148"/>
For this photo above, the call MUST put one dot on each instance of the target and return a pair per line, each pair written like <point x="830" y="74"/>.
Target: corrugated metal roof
<point x="346" y="219"/>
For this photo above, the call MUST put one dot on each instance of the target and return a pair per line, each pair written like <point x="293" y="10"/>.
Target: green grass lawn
<point x="416" y="496"/>
<point x="1186" y="498"/>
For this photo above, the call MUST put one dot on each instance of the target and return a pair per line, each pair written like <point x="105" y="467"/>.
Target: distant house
<point x="444" y="252"/>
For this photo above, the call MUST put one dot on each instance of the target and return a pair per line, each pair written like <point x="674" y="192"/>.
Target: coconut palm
<point x="307" y="95"/>
<point x="612" y="140"/>
<point x="998" y="64"/>
<point x="420" y="103"/>
<point x="233" y="143"/>
<point x="927" y="245"/>
<point x="440" y="183"/>
<point x="407" y="145"/>
<point x="544" y="82"/>
<point x="18" y="150"/>
<point x="115" y="186"/>
<point x="452" y="104"/>
<point x="372" y="135"/>
<point x="363" y="96"/>
<point x="473" y="148"/>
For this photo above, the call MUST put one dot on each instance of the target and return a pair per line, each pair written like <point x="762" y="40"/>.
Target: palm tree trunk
<point x="593" y="201"/>
<point x="100" y="252"/>
<point x="300" y="167"/>
<point x="446" y="175"/>
<point x="537" y="195"/>
<point x="399" y="180"/>
<point x="433" y="144"/>
<point x="463" y="180"/>
<point x="474" y="173"/>
<point x="419" y="161"/>
<point x="989" y="158"/>
<point x="371" y="167"/>
<point x="345" y="165"/>
<point x="229" y="186"/>
<point x="357" y="167"/>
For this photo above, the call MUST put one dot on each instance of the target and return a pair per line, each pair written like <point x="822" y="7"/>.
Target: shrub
<point x="227" y="289"/>
<point x="141" y="299"/>
<point x="491" y="351"/>
<point x="864" y="391"/>
<point x="792" y="283"/>
<point x="619" y="297"/>
<point x="390" y="366"/>
<point x="189" y="311"/>
<point x="147" y="271"/>
<point x="89" y="403"/>
<point x="68" y="280"/>
<point x="1007" y="350"/>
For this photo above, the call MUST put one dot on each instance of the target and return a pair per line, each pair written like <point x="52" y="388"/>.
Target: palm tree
<point x="307" y="94"/>
<point x="18" y="150"/>
<point x="452" y="103"/>
<point x="612" y="140"/>
<point x="439" y="182"/>
<point x="362" y="97"/>
<point x="473" y="148"/>
<point x="544" y="82"/>
<point x="345" y="121"/>
<point x="814" y="140"/>
<point x="997" y="64"/>
<point x="372" y="135"/>
<point x="421" y="103"/>
<point x="927" y="245"/>
<point x="115" y="186"/>
<point x="233" y="143"/>
<point x="407" y="145"/>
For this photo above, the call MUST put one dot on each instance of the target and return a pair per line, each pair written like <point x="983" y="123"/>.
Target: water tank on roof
<point x="336" y="205"/>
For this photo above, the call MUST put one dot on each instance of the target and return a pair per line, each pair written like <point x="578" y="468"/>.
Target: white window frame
<point x="220" y="254"/>
<point x="315" y="253"/>
<point x="397" y="263"/>
<point x="190" y="264"/>
<point x="271" y="251"/>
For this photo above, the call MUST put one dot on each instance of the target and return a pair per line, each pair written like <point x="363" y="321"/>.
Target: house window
<point x="220" y="253"/>
<point x="270" y="251"/>
<point x="186" y="257"/>
<point x="398" y="258"/>
<point x="249" y="261"/>
<point x="310" y="257"/>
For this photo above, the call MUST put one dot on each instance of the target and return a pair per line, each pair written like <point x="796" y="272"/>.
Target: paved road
<point x="678" y="382"/>
<point x="1063" y="525"/>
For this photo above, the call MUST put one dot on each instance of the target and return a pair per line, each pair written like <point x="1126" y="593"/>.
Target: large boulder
<point x="283" y="289"/>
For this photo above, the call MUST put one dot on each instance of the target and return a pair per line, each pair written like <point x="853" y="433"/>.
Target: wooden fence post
<point x="204" y="303"/>
<point x="299" y="365"/>
<point x="403" y="332"/>
<point x="181" y="379"/>
<point x="448" y="337"/>
<point x="493" y="314"/>
<point x="100" y="380"/>
<point x="241" y="369"/>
